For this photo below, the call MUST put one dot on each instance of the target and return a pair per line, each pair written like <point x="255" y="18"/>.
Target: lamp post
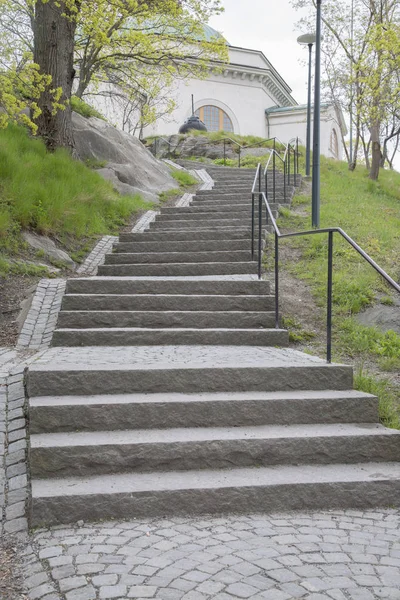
<point x="316" y="184"/>
<point x="308" y="39"/>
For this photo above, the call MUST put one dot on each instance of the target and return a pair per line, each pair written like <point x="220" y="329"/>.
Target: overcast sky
<point x="269" y="26"/>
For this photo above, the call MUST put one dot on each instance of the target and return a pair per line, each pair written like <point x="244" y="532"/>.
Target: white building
<point x="249" y="97"/>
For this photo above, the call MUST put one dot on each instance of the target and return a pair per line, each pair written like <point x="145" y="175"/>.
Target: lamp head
<point x="307" y="38"/>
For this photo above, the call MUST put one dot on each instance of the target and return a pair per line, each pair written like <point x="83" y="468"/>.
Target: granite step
<point x="178" y="257"/>
<point x="162" y="411"/>
<point x="88" y="454"/>
<point x="166" y="302"/>
<point x="182" y="269"/>
<point x="187" y="369"/>
<point x="170" y="336"/>
<point x="188" y="246"/>
<point x="166" y="285"/>
<point x="89" y="319"/>
<point x="213" y="234"/>
<point x="244" y="490"/>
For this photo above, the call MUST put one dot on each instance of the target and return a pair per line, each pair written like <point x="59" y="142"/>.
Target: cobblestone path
<point x="339" y="555"/>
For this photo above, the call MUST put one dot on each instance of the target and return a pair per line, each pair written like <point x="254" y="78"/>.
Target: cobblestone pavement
<point x="339" y="555"/>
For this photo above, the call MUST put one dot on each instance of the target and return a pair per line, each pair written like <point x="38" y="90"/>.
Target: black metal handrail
<point x="278" y="235"/>
<point x="273" y="157"/>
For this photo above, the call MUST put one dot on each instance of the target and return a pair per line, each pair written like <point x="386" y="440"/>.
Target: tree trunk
<point x="376" y="152"/>
<point x="54" y="40"/>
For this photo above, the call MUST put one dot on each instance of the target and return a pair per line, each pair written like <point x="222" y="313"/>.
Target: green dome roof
<point x="210" y="33"/>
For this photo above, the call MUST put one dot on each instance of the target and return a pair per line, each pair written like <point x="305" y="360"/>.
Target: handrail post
<point x="284" y="181"/>
<point x="288" y="162"/>
<point x="224" y="153"/>
<point x="274" y="176"/>
<point x="259" y="234"/>
<point x="252" y="226"/>
<point x="276" y="281"/>
<point x="329" y="303"/>
<point x="239" y="155"/>
<point x="294" y="167"/>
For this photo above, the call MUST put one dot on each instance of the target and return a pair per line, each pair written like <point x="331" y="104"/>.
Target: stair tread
<point x="172" y="357"/>
<point x="208" y="434"/>
<point x="213" y="479"/>
<point x="168" y="329"/>
<point x="203" y="397"/>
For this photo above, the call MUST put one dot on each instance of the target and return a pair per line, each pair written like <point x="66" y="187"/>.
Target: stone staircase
<point x="168" y="390"/>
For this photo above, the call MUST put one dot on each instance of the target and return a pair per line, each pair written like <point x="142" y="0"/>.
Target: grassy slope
<point x="55" y="195"/>
<point x="370" y="213"/>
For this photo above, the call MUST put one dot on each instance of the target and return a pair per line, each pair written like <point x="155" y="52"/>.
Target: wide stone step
<point x="125" y="285"/>
<point x="165" y="302"/>
<point x="198" y="319"/>
<point x="85" y="454"/>
<point x="215" y="216"/>
<point x="213" y="234"/>
<point x="182" y="269"/>
<point x="177" y="257"/>
<point x="246" y="490"/>
<point x="161" y="411"/>
<point x="189" y="246"/>
<point x="234" y="205"/>
<point x="206" y="224"/>
<point x="135" y="336"/>
<point x="188" y="369"/>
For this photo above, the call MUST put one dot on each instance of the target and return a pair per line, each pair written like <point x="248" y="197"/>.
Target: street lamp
<point x="316" y="184"/>
<point x="308" y="39"/>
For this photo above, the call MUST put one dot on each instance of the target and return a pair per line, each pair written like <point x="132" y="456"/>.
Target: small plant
<point x="84" y="109"/>
<point x="93" y="163"/>
<point x="184" y="178"/>
<point x="297" y="334"/>
<point x="389" y="396"/>
<point x="387" y="301"/>
<point x="168" y="194"/>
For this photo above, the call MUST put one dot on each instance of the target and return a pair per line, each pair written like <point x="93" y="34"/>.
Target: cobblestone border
<point x="145" y="220"/>
<point x="39" y="325"/>
<point x="13" y="446"/>
<point x="97" y="255"/>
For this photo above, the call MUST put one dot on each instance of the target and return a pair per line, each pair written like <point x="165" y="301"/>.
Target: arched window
<point x="214" y="118"/>
<point x="334" y="144"/>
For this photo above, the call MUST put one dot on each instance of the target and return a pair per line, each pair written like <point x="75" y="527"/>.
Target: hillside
<point x="370" y="213"/>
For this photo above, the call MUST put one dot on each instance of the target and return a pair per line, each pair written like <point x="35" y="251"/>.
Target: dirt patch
<point x="13" y="290"/>
<point x="11" y="587"/>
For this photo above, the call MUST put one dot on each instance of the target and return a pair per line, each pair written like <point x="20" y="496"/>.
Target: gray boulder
<point x="130" y="166"/>
<point x="49" y="249"/>
<point x="382" y="316"/>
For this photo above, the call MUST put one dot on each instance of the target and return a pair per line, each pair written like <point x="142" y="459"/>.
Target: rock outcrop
<point x="48" y="248"/>
<point x="130" y="167"/>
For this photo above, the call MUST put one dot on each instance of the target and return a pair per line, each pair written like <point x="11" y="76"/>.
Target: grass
<point x="184" y="178"/>
<point x="388" y="394"/>
<point x="54" y="195"/>
<point x="370" y="213"/>
<point x="84" y="109"/>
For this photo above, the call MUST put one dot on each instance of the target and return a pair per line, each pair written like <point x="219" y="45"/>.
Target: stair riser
<point x="210" y="216"/>
<point x="208" y="246"/>
<point x="104" y="286"/>
<point x="184" y="236"/>
<point x="121" y="258"/>
<point x="196" y="380"/>
<point x="159" y="319"/>
<point x="237" y="205"/>
<point x="92" y="460"/>
<point x="226" y="413"/>
<point x="163" y="303"/>
<point x="158" y="337"/>
<point x="239" y="500"/>
<point x="189" y="225"/>
<point x="171" y="270"/>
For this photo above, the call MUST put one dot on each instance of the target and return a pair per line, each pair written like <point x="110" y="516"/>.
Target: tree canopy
<point x="137" y="46"/>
